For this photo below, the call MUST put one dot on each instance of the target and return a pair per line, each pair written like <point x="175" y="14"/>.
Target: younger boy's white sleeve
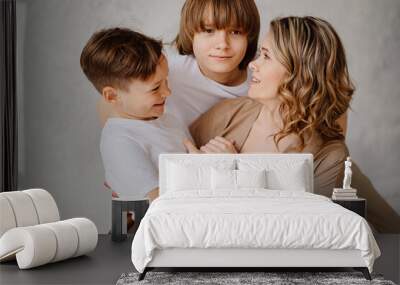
<point x="128" y="168"/>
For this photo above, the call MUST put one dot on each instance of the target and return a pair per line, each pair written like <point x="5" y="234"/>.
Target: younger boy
<point x="129" y="70"/>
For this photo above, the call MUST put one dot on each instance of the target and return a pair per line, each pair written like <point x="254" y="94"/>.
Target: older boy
<point x="129" y="70"/>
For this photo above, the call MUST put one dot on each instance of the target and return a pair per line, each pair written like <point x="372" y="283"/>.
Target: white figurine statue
<point x="347" y="174"/>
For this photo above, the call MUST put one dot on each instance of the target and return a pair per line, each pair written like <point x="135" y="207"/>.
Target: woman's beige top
<point x="234" y="118"/>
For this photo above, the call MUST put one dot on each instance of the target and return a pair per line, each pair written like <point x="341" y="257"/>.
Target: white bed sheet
<point x="251" y="218"/>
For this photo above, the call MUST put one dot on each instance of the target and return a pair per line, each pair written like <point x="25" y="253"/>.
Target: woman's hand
<point x="219" y="145"/>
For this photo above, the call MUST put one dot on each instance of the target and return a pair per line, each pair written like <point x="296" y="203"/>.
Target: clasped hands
<point x="215" y="145"/>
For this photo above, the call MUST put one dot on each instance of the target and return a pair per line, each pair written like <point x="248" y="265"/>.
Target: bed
<point x="245" y="211"/>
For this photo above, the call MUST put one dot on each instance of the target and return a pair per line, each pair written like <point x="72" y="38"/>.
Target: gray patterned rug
<point x="231" y="278"/>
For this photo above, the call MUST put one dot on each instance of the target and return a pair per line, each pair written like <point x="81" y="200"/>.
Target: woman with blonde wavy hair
<point x="297" y="102"/>
<point x="299" y="92"/>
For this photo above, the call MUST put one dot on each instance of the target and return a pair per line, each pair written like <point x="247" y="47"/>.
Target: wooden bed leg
<point x="364" y="271"/>
<point x="143" y="274"/>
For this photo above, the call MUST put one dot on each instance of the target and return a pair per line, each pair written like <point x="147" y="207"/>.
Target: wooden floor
<point x="111" y="259"/>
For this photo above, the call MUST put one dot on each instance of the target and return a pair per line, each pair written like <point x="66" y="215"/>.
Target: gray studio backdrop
<point x="59" y="129"/>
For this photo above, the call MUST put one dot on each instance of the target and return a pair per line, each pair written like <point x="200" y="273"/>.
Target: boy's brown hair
<point x="242" y="14"/>
<point x="112" y="57"/>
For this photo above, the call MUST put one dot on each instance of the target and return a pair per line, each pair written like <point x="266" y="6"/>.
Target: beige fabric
<point x="234" y="118"/>
<point x="231" y="119"/>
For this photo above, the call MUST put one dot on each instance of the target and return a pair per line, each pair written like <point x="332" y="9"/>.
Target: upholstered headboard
<point x="284" y="170"/>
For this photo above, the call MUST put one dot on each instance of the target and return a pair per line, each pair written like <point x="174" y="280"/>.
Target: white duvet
<point x="253" y="218"/>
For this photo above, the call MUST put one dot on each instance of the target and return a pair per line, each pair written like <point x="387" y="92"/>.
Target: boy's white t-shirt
<point x="192" y="92"/>
<point x="130" y="149"/>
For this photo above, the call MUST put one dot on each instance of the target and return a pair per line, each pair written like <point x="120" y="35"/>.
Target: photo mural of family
<point x="214" y="90"/>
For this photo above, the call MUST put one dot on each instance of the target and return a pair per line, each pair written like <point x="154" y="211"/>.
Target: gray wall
<point x="59" y="126"/>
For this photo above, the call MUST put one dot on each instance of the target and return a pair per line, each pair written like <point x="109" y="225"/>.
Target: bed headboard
<point x="283" y="164"/>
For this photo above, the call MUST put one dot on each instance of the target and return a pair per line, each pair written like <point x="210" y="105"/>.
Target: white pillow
<point x="251" y="178"/>
<point x="280" y="174"/>
<point x="223" y="179"/>
<point x="236" y="179"/>
<point x="293" y="179"/>
<point x="183" y="175"/>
